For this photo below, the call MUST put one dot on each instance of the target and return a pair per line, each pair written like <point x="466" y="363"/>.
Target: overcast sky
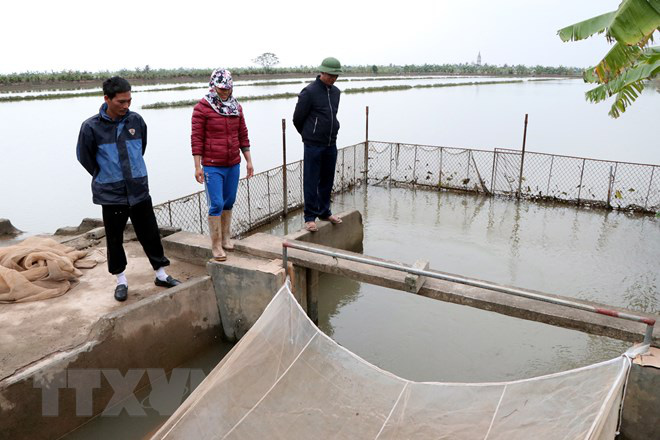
<point x="92" y="35"/>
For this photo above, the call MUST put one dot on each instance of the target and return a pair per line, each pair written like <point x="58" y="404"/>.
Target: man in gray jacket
<point x="315" y="118"/>
<point x="110" y="147"/>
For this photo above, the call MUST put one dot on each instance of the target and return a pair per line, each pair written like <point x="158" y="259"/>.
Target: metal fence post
<point x="354" y="164"/>
<point x="522" y="157"/>
<point x="467" y="176"/>
<point x="247" y="181"/>
<point x="492" y="180"/>
<point x="343" y="159"/>
<point x="609" y="188"/>
<point x="414" y="167"/>
<point x="552" y="162"/>
<point x="391" y="158"/>
<point x="199" y="203"/>
<point x="366" y="148"/>
<point x="648" y="193"/>
<point x="580" y="185"/>
<point x="270" y="211"/>
<point x="285" y="201"/>
<point x="440" y="172"/>
<point x="169" y="208"/>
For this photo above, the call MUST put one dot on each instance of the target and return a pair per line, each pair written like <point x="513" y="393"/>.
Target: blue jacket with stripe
<point x="111" y="151"/>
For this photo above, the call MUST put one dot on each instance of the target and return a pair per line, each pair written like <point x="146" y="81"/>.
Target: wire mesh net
<point x="287" y="379"/>
<point x="618" y="185"/>
<point x="262" y="197"/>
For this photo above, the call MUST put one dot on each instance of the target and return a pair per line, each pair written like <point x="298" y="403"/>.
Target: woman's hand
<point x="199" y="175"/>
<point x="250" y="169"/>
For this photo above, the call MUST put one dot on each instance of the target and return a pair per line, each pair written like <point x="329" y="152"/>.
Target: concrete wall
<point x="641" y="408"/>
<point x="159" y="332"/>
<point x="244" y="286"/>
<point x="246" y="282"/>
<point x="347" y="235"/>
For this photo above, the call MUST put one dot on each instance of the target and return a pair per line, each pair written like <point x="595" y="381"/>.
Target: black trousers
<point x="318" y="177"/>
<point x="144" y="222"/>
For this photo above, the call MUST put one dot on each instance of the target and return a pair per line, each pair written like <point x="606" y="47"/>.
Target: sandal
<point x="311" y="226"/>
<point x="333" y="219"/>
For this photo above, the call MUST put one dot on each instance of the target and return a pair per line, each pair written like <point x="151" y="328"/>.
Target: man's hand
<point x="199" y="175"/>
<point x="250" y="169"/>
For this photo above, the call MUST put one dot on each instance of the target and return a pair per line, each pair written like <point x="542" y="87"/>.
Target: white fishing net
<point x="286" y="379"/>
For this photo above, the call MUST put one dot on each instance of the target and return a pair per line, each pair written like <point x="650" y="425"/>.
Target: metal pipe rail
<point x="650" y="322"/>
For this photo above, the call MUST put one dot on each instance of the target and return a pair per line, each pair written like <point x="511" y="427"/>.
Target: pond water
<point x="43" y="186"/>
<point x="594" y="255"/>
<point x="607" y="257"/>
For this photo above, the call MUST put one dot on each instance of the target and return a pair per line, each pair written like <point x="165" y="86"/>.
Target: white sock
<point x="121" y="279"/>
<point x="160" y="274"/>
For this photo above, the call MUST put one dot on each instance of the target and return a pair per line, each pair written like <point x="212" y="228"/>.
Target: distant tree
<point x="631" y="61"/>
<point x="374" y="69"/>
<point x="266" y="60"/>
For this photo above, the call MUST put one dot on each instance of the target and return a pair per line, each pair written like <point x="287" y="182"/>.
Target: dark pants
<point x="318" y="177"/>
<point x="144" y="222"/>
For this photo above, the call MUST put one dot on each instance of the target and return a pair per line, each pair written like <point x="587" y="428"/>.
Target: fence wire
<point x="593" y="182"/>
<point x="583" y="181"/>
<point x="261" y="198"/>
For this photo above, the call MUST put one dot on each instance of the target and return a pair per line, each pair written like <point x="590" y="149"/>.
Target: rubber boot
<point x="226" y="228"/>
<point x="215" y="229"/>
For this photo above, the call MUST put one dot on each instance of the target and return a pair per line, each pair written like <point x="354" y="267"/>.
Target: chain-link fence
<point x="261" y="198"/>
<point x="617" y="185"/>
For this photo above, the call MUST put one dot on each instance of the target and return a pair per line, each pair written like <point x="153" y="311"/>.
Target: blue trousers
<point x="318" y="178"/>
<point x="221" y="184"/>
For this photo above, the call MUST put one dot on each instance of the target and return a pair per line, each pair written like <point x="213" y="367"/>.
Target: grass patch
<point x="276" y="83"/>
<point x="187" y="103"/>
<point x="49" y="96"/>
<point x="192" y="102"/>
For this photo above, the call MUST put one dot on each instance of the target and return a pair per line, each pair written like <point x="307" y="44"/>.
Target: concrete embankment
<point x="50" y="342"/>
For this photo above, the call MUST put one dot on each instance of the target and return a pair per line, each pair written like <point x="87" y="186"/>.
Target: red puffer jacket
<point x="217" y="138"/>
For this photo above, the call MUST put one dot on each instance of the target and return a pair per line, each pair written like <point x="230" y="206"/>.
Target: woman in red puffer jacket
<point x="218" y="135"/>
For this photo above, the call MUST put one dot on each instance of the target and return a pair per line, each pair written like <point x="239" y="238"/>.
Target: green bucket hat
<point x="330" y="65"/>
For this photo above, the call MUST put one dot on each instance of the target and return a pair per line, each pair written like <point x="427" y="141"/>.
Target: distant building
<point x="479" y="59"/>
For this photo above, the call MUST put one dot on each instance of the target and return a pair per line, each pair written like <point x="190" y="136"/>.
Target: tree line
<point x="147" y="73"/>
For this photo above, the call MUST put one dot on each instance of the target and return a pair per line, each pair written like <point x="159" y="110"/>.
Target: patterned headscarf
<point x="221" y="78"/>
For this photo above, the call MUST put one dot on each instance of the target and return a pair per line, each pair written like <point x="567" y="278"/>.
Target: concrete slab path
<point x="33" y="331"/>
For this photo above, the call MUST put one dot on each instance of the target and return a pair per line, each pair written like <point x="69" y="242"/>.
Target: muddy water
<point x="125" y="426"/>
<point x="595" y="255"/>
<point x="606" y="257"/>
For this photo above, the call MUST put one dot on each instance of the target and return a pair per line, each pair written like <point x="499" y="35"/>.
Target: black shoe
<point x="169" y="282"/>
<point x="121" y="292"/>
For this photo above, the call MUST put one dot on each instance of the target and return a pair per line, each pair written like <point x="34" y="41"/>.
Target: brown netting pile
<point x="40" y="268"/>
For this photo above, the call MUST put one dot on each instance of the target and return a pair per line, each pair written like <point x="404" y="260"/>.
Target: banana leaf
<point x="633" y="22"/>
<point x="629" y="84"/>
<point x="587" y="28"/>
<point x="617" y="60"/>
<point x="625" y="98"/>
<point x="589" y="75"/>
<point x="647" y="67"/>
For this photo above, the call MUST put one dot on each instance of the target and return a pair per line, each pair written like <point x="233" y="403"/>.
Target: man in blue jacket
<point x="315" y="118"/>
<point x="110" y="147"/>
